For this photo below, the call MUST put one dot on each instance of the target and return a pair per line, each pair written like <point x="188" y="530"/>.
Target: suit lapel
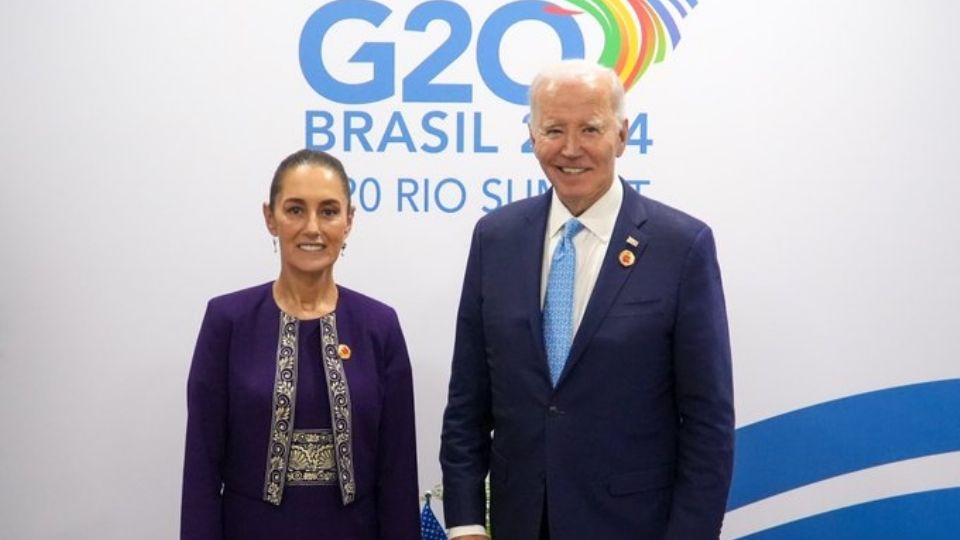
<point x="531" y="269"/>
<point x="613" y="273"/>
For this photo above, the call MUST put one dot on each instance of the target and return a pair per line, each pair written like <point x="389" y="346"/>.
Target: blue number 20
<point x="488" y="44"/>
<point x="418" y="85"/>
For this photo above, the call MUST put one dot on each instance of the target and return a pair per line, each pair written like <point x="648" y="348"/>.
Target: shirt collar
<point x="599" y="219"/>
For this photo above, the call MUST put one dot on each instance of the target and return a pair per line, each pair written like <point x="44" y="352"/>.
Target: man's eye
<point x="330" y="212"/>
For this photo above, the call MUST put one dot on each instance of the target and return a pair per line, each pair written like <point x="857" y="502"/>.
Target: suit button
<point x="553" y="410"/>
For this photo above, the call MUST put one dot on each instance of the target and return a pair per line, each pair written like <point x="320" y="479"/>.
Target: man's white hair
<point x="578" y="70"/>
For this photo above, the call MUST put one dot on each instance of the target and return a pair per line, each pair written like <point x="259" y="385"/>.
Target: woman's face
<point x="310" y="218"/>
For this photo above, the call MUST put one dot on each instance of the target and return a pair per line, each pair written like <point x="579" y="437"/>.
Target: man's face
<point x="577" y="139"/>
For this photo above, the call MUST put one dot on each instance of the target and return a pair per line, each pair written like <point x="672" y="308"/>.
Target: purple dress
<point x="267" y="456"/>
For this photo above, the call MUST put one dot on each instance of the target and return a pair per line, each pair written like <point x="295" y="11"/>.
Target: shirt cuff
<point x="464" y="530"/>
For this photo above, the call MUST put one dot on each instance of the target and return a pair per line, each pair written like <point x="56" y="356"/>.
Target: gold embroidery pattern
<point x="311" y="459"/>
<point x="284" y="401"/>
<point x="340" y="410"/>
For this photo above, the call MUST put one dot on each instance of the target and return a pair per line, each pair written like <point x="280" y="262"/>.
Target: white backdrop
<point x="819" y="139"/>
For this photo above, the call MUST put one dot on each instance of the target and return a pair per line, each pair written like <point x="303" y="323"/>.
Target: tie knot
<point x="571" y="228"/>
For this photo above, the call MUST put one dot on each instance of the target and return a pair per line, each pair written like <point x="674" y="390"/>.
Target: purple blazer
<point x="267" y="456"/>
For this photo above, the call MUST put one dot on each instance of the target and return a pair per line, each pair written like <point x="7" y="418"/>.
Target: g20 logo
<point x="635" y="34"/>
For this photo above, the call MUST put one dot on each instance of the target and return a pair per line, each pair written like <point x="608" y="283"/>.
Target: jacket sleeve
<point x="200" y="512"/>
<point x="467" y="420"/>
<point x="397" y="453"/>
<point x="704" y="394"/>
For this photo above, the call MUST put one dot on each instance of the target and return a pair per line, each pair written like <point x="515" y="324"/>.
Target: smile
<point x="311" y="247"/>
<point x="572" y="170"/>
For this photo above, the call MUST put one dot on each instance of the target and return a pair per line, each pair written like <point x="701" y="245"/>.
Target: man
<point x="591" y="373"/>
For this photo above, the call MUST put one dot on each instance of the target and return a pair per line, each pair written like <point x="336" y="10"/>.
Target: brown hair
<point x="308" y="157"/>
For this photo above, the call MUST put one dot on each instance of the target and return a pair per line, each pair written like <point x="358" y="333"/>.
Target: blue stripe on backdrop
<point x="667" y="19"/>
<point x="930" y="515"/>
<point x="679" y="6"/>
<point x="842" y="436"/>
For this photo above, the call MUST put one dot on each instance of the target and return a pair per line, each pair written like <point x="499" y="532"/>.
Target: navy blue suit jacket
<point x="636" y="440"/>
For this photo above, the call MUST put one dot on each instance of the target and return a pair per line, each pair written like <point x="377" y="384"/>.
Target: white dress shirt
<point x="591" y="245"/>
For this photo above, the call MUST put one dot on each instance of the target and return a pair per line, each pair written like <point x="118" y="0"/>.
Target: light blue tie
<point x="558" y="301"/>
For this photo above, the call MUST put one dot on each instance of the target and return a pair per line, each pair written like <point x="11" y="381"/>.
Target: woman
<point x="300" y="396"/>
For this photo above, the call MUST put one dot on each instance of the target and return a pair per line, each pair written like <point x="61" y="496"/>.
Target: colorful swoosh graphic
<point x="635" y="32"/>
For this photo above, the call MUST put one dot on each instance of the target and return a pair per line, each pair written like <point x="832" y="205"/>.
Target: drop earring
<point x="343" y="249"/>
<point x="274" y="244"/>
